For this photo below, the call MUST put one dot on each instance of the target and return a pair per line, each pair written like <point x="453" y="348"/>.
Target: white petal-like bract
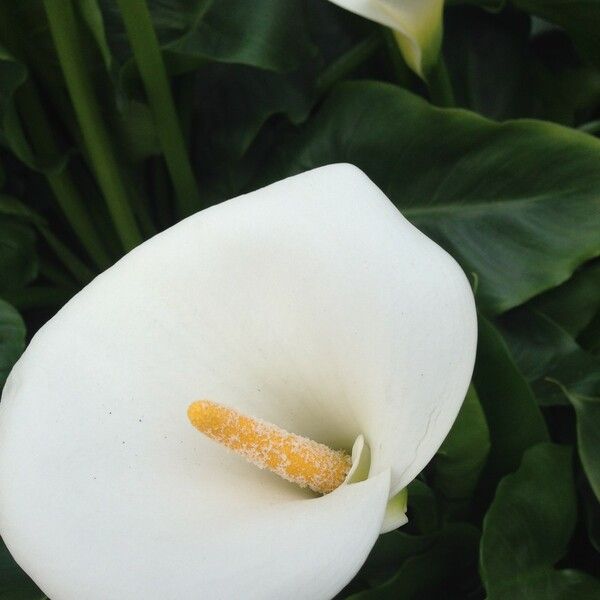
<point x="416" y="23"/>
<point x="312" y="304"/>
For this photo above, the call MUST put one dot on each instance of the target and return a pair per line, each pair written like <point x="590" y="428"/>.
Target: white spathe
<point x="312" y="304"/>
<point x="417" y="25"/>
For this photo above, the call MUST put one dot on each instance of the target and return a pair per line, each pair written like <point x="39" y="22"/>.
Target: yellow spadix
<point x="293" y="457"/>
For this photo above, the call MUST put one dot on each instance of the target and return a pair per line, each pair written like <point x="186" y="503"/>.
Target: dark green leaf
<point x="546" y="353"/>
<point x="487" y="65"/>
<point x="459" y="461"/>
<point x="269" y="34"/>
<point x="18" y="260"/>
<point x="14" y="583"/>
<point x="587" y="409"/>
<point x="499" y="72"/>
<point x="12" y="75"/>
<point x="391" y="550"/>
<point x="23" y="120"/>
<point x="12" y="339"/>
<point x="422" y="507"/>
<point x="236" y="101"/>
<point x="11" y="207"/>
<point x="574" y="304"/>
<point x="91" y="15"/>
<point x="441" y="571"/>
<point x="515" y="203"/>
<point x="527" y="530"/>
<point x="513" y="417"/>
<point x="560" y="370"/>
<point x="581" y="19"/>
<point x="590" y="336"/>
<point x="591" y="508"/>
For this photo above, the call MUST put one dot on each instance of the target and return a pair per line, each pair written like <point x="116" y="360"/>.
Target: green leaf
<point x="591" y="508"/>
<point x="472" y="185"/>
<point x="587" y="409"/>
<point x="269" y="34"/>
<point x="581" y="19"/>
<point x="12" y="339"/>
<point x="590" y="336"/>
<point x="391" y="550"/>
<point x="459" y="461"/>
<point x="546" y="354"/>
<point x="422" y="507"/>
<point x="12" y="75"/>
<point x="513" y="417"/>
<point x="445" y="565"/>
<point x="527" y="529"/>
<point x="13" y="208"/>
<point x="498" y="71"/>
<point x="560" y="371"/>
<point x="91" y="15"/>
<point x="14" y="583"/>
<point x="574" y="304"/>
<point x="487" y="59"/>
<point x="19" y="108"/>
<point x="237" y="100"/>
<point x="18" y="260"/>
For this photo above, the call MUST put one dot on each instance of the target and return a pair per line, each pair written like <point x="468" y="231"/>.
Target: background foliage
<point x="100" y="148"/>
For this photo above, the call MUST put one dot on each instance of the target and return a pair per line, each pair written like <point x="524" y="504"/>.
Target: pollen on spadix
<point x="293" y="457"/>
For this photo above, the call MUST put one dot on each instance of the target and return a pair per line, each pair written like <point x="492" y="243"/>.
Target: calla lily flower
<point x="417" y="27"/>
<point x="311" y="304"/>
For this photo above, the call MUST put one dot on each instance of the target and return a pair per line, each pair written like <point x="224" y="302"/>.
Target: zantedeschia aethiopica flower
<point x="417" y="26"/>
<point x="312" y="304"/>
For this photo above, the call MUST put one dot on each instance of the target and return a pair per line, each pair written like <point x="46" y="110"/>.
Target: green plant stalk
<point x="41" y="136"/>
<point x="403" y="74"/>
<point x="141" y="207"/>
<point x="347" y="63"/>
<point x="437" y="79"/>
<point x="184" y="101"/>
<point x="77" y="268"/>
<point x="440" y="86"/>
<point x="161" y="192"/>
<point x="146" y="50"/>
<point x="65" y="33"/>
<point x="53" y="272"/>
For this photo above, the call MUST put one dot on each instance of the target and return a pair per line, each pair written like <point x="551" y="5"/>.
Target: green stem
<point x="78" y="269"/>
<point x="34" y="117"/>
<point x="440" y="86"/>
<point x="140" y="206"/>
<point x="403" y="74"/>
<point x="184" y="100"/>
<point x="152" y="69"/>
<point x="41" y="134"/>
<point x="65" y="33"/>
<point x="347" y="63"/>
<point x="161" y="192"/>
<point x="53" y="272"/>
